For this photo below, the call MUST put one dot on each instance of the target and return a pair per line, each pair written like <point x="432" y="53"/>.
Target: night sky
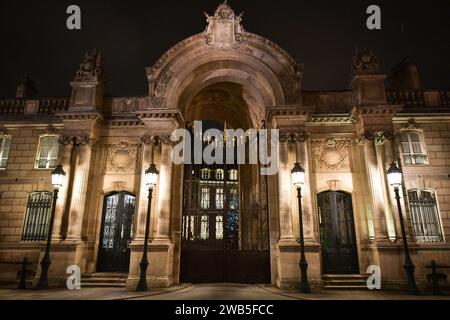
<point x="134" y="34"/>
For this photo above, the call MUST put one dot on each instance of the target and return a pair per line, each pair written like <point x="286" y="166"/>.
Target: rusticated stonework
<point x="121" y="158"/>
<point x="331" y="155"/>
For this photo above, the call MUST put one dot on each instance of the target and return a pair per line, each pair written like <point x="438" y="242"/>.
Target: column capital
<point x="65" y="140"/>
<point x="84" y="141"/>
<point x="150" y="140"/>
<point x="379" y="137"/>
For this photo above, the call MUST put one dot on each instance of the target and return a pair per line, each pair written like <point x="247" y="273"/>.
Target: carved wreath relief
<point x="121" y="158"/>
<point x="331" y="155"/>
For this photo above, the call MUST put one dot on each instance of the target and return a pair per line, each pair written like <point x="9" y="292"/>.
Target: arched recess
<point x="267" y="74"/>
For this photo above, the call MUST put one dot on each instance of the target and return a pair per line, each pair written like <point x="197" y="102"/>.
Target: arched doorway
<point x="227" y="74"/>
<point x="116" y="232"/>
<point x="337" y="233"/>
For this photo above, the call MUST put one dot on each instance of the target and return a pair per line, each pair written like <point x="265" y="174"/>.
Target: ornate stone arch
<point x="226" y="53"/>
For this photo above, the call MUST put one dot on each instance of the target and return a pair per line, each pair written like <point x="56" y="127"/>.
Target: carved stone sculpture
<point x="365" y="62"/>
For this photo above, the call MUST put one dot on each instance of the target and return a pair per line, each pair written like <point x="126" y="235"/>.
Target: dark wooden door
<point x="116" y="233"/>
<point x="337" y="233"/>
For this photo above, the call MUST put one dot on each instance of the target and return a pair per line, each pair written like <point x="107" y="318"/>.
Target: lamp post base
<point x="43" y="280"/>
<point x="412" y="286"/>
<point x="304" y="284"/>
<point x="142" y="284"/>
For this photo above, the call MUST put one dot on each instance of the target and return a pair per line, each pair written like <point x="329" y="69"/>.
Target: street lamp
<point x="395" y="180"/>
<point x="298" y="177"/>
<point x="151" y="178"/>
<point x="58" y="177"/>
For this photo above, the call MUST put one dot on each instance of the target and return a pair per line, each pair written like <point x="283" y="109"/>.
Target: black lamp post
<point x="151" y="178"/>
<point x="298" y="177"/>
<point x="58" y="177"/>
<point x="395" y="180"/>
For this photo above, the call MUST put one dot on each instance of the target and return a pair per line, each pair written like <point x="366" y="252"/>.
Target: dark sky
<point x="134" y="34"/>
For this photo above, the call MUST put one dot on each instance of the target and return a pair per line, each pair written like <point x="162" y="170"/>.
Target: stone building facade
<point x="345" y="140"/>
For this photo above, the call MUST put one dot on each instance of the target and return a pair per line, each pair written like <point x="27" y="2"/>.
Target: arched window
<point x="47" y="152"/>
<point x="37" y="216"/>
<point x="205" y="174"/>
<point x="233" y="175"/>
<point x="5" y="146"/>
<point x="425" y="216"/>
<point x="219" y="174"/>
<point x="413" y="147"/>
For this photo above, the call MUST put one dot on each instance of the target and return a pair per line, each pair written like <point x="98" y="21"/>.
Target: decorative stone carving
<point x="65" y="140"/>
<point x="365" y="62"/>
<point x="412" y="124"/>
<point x="4" y="132"/>
<point x="84" y="141"/>
<point x="379" y="137"/>
<point x="91" y="68"/>
<point x="361" y="140"/>
<point x="121" y="158"/>
<point x="331" y="154"/>
<point x="150" y="140"/>
<point x="224" y="29"/>
<point x="293" y="138"/>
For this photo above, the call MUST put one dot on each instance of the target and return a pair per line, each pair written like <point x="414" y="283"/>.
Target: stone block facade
<point x="345" y="141"/>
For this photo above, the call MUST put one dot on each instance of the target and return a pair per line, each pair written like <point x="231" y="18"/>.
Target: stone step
<point x="103" y="285"/>
<point x="345" y="282"/>
<point x="346" y="287"/>
<point x="104" y="280"/>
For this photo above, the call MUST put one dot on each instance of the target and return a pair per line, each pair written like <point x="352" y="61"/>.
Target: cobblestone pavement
<point x="206" y="292"/>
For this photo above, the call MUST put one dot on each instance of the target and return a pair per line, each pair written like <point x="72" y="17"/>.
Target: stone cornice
<point x="377" y="110"/>
<point x="331" y="119"/>
<point x="80" y="116"/>
<point x="161" y="114"/>
<point x="289" y="111"/>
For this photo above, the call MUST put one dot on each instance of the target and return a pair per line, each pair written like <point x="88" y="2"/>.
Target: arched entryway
<point x="116" y="232"/>
<point x="232" y="76"/>
<point x="337" y="233"/>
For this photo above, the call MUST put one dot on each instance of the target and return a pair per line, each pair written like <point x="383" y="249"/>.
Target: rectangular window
<point x="234" y="199"/>
<point x="219" y="198"/>
<point x="425" y="216"/>
<point x="5" y="146"/>
<point x="204" y="203"/>
<point x="47" y="153"/>
<point x="413" y="148"/>
<point x="37" y="216"/>
<point x="204" y="228"/>
<point x="219" y="227"/>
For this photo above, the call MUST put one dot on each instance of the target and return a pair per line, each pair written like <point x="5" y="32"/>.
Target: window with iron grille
<point x="37" y="216"/>
<point x="413" y="148"/>
<point x="47" y="153"/>
<point x="425" y="216"/>
<point x="5" y="146"/>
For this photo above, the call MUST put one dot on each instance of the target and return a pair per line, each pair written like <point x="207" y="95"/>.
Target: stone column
<point x="304" y="156"/>
<point x="376" y="191"/>
<point x="65" y="157"/>
<point x="284" y="192"/>
<point x="147" y="149"/>
<point x="164" y="192"/>
<point x="382" y="167"/>
<point x="80" y="186"/>
<point x="390" y="158"/>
